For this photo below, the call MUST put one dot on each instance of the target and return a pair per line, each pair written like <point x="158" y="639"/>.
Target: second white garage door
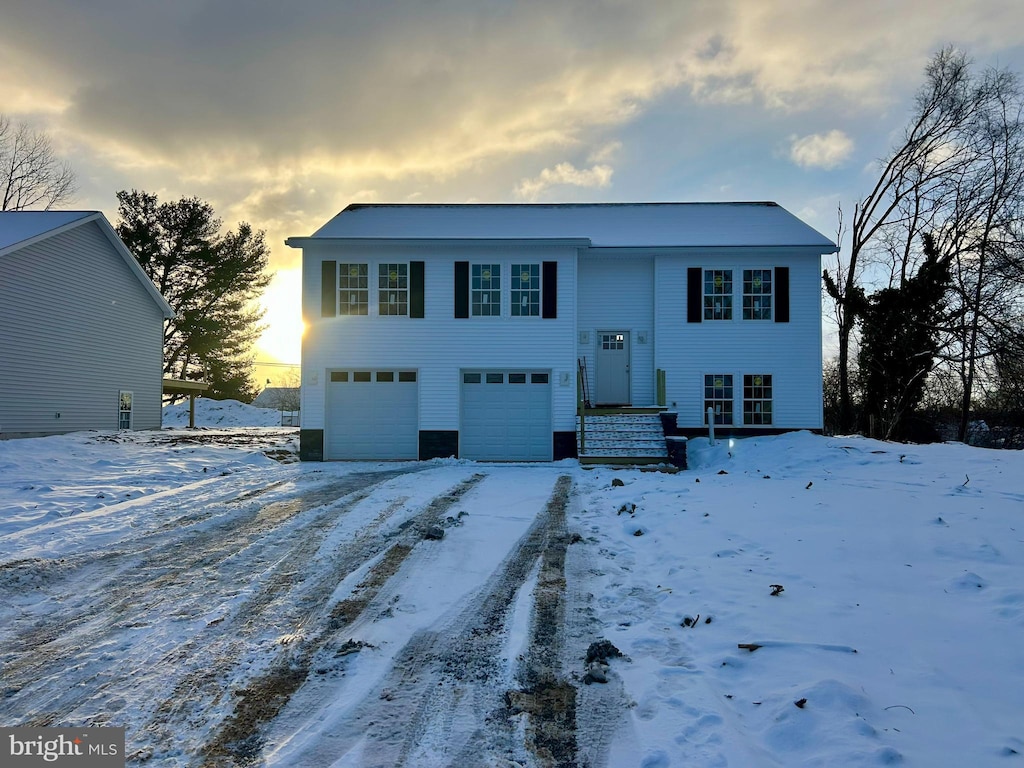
<point x="506" y="416"/>
<point x="372" y="414"/>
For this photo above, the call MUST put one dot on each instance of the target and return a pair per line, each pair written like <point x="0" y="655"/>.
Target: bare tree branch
<point x="31" y="174"/>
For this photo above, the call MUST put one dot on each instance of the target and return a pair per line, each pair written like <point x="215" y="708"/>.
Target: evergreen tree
<point x="211" y="280"/>
<point x="899" y="341"/>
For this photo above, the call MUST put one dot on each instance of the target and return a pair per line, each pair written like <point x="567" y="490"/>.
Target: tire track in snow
<point x="545" y="695"/>
<point x="451" y="681"/>
<point x="151" y="583"/>
<point x="239" y="740"/>
<point x="154" y="555"/>
<point x="603" y="710"/>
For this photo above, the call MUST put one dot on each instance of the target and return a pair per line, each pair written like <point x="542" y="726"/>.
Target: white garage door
<point x="506" y="416"/>
<point x="372" y="414"/>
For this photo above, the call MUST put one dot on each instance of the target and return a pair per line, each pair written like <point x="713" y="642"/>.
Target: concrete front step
<point x="618" y="450"/>
<point x="653" y="446"/>
<point x="624" y="434"/>
<point x="624" y="461"/>
<point x="620" y="418"/>
<point x="637" y="438"/>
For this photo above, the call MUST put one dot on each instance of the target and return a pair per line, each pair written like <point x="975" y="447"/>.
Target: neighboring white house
<point x="458" y="330"/>
<point x="81" y="327"/>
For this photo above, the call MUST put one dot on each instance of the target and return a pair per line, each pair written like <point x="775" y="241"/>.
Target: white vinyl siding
<point x="616" y="293"/>
<point x="78" y="328"/>
<point x="439" y="345"/>
<point x="788" y="352"/>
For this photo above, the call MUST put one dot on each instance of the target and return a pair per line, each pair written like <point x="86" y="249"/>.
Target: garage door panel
<point x="506" y="416"/>
<point x="372" y="416"/>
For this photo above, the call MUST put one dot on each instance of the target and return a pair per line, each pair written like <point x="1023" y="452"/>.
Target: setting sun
<point x="281" y="342"/>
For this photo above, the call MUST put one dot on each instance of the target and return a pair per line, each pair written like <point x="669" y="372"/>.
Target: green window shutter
<point x="782" y="294"/>
<point x="415" y="289"/>
<point x="549" y="288"/>
<point x="694" y="295"/>
<point x="461" y="289"/>
<point x="328" y="288"/>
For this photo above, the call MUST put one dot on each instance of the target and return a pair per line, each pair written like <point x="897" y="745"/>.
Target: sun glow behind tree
<point x="281" y="341"/>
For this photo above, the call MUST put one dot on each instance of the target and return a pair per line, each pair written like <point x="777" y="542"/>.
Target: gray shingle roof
<point x="605" y="225"/>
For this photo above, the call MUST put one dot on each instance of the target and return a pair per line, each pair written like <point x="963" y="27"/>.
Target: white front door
<point x="612" y="368"/>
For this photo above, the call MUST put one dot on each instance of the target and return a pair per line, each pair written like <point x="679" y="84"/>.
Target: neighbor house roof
<point x="274" y="397"/>
<point x="20" y="229"/>
<point x="603" y="225"/>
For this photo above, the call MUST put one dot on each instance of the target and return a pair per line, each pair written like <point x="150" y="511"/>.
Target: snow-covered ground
<point x="787" y="601"/>
<point x="221" y="413"/>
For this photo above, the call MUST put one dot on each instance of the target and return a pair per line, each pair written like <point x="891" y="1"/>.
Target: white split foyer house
<point x="462" y="330"/>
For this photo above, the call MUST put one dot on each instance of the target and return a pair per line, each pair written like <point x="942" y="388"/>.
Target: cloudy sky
<point x="282" y="113"/>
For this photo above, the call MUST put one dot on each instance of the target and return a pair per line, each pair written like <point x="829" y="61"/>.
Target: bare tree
<point x="986" y="233"/>
<point x="31" y="174"/>
<point x="910" y="177"/>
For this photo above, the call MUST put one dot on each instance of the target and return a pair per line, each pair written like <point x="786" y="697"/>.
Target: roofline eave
<point x="570" y="242"/>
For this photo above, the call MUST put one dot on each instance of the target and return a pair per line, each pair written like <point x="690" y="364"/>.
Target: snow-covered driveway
<point x="789" y="601"/>
<point x="298" y="614"/>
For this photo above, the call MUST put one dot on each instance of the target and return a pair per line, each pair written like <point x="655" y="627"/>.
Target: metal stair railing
<point x="581" y="363"/>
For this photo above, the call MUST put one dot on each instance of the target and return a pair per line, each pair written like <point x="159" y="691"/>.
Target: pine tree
<point x="899" y="341"/>
<point x="211" y="280"/>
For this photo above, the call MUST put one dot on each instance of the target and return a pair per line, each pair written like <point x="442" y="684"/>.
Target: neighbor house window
<point x="393" y="289"/>
<point x="485" y="297"/>
<point x="353" y="289"/>
<point x="525" y="295"/>
<point x="757" y="399"/>
<point x="718" y="294"/>
<point x="718" y="397"/>
<point x="124" y="413"/>
<point x="757" y="294"/>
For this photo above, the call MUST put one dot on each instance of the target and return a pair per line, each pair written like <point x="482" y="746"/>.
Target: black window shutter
<point x="415" y="289"/>
<point x="549" y="287"/>
<point x="328" y="288"/>
<point x="782" y="294"/>
<point x="462" y="289"/>
<point x="694" y="293"/>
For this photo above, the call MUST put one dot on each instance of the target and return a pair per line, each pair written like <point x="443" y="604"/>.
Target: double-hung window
<point x="718" y="294"/>
<point x="757" y="399"/>
<point x="393" y="289"/>
<point x="757" y="294"/>
<point x="485" y="294"/>
<point x="525" y="290"/>
<point x="353" y="289"/>
<point x="718" y="396"/>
